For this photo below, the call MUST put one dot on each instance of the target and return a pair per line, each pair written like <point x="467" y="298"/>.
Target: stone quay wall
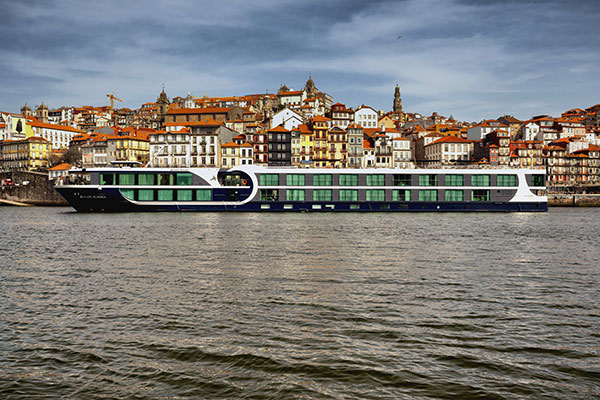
<point x="31" y="188"/>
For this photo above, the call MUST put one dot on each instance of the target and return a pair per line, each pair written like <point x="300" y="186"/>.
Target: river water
<point x="279" y="306"/>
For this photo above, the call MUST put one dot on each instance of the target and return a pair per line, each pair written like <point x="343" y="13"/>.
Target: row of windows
<point x="398" y="180"/>
<point x="166" y="179"/>
<point x="374" y="195"/>
<point x="167" y="194"/>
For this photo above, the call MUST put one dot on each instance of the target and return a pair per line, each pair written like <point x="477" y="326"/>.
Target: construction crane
<point x="112" y="98"/>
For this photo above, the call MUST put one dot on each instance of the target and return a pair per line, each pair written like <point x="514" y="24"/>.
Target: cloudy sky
<point x="470" y="59"/>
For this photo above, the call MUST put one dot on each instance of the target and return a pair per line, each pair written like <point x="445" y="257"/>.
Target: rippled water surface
<point x="278" y="306"/>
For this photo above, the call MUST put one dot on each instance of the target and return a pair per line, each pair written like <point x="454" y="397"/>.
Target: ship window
<point x="128" y="193"/>
<point x="428" y="195"/>
<point x="126" y="179"/>
<point x="480" y="195"/>
<point x="348" y="180"/>
<point x="165" y="195"/>
<point x="428" y="180"/>
<point x="107" y="179"/>
<point x="375" y="194"/>
<point x="203" y="195"/>
<point x="165" y="179"/>
<point x="454" y="195"/>
<point x="233" y="195"/>
<point x="145" y="195"/>
<point x="355" y="206"/>
<point x="295" y="194"/>
<point x="322" y="179"/>
<point x="184" y="179"/>
<point x="375" y="180"/>
<point x="269" y="180"/>
<point x="455" y="180"/>
<point x="480" y="180"/>
<point x="348" y="195"/>
<point x="184" y="195"/>
<point x="146" y="179"/>
<point x="507" y="180"/>
<point x="269" y="194"/>
<point x="295" y="179"/>
<point x="400" y="195"/>
<point x="402" y="180"/>
<point x="537" y="180"/>
<point x="322" y="195"/>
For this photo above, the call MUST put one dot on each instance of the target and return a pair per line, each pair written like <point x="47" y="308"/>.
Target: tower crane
<point x="112" y="98"/>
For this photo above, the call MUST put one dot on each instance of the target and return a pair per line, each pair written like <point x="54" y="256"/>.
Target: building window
<point x="348" y="195"/>
<point x="322" y="195"/>
<point x="375" y="180"/>
<point x="400" y="195"/>
<point x="428" y="195"/>
<point x="480" y="195"/>
<point x="295" y="179"/>
<point x="295" y="195"/>
<point x="322" y="180"/>
<point x="480" y="180"/>
<point x="348" y="180"/>
<point x="402" y="180"/>
<point x="269" y="180"/>
<point x="454" y="195"/>
<point x="428" y="180"/>
<point x="455" y="180"/>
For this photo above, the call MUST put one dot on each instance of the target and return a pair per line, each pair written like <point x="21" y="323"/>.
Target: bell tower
<point x="397" y="100"/>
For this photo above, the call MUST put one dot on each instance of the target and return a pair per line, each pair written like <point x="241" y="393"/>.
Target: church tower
<point x="397" y="100"/>
<point x="41" y="113"/>
<point x="310" y="88"/>
<point x="26" y="111"/>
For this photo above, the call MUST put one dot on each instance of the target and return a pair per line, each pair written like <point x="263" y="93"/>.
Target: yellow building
<point x="387" y="122"/>
<point x="130" y="148"/>
<point x="26" y="154"/>
<point x="234" y="154"/>
<point x="320" y="126"/>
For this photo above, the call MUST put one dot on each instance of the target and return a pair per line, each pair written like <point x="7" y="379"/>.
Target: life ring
<point x="244" y="182"/>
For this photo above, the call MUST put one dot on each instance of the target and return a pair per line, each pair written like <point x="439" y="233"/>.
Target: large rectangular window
<point x="269" y="195"/>
<point x="348" y="195"/>
<point x="454" y="195"/>
<point x="400" y="195"/>
<point x="203" y="195"/>
<point x="322" y="195"/>
<point x="128" y="193"/>
<point x="480" y="180"/>
<point x="538" y="180"/>
<point x="428" y="180"/>
<point x="348" y="180"/>
<point x="402" y="180"/>
<point x="322" y="180"/>
<point x="269" y="180"/>
<point x="455" y="180"/>
<point x="295" y="180"/>
<point x="165" y="195"/>
<point x="126" y="179"/>
<point x="295" y="195"/>
<point x="184" y="195"/>
<point x="146" y="179"/>
<point x="145" y="195"/>
<point x="480" y="195"/>
<point x="107" y="179"/>
<point x="375" y="194"/>
<point x="428" y="195"/>
<point x="507" y="180"/>
<point x="165" y="179"/>
<point x="375" y="180"/>
<point x="184" y="179"/>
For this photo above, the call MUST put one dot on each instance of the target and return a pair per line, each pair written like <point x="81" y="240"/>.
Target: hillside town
<point x="298" y="128"/>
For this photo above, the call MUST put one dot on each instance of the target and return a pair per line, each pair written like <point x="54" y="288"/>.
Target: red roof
<point x="279" y="128"/>
<point x="61" y="167"/>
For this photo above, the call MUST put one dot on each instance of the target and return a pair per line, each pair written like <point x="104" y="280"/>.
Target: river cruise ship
<point x="255" y="188"/>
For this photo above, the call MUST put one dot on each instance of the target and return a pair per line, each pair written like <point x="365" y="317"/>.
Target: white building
<point x="289" y="119"/>
<point x="59" y="135"/>
<point x="448" y="150"/>
<point x="366" y="117"/>
<point x="402" y="155"/>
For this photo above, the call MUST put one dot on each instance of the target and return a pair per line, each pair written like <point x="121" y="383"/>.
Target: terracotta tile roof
<point x="209" y="110"/>
<point x="61" y="167"/>
<point x="230" y="144"/>
<point x="320" y="118"/>
<point x="37" y="124"/>
<point x="279" y="128"/>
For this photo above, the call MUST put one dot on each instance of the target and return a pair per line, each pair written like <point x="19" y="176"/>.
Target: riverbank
<point x="29" y="188"/>
<point x="574" y="200"/>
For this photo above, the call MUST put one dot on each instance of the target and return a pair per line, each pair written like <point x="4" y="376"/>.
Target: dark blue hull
<point x="111" y="200"/>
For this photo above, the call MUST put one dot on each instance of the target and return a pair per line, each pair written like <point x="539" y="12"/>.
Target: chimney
<point x="382" y="128"/>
